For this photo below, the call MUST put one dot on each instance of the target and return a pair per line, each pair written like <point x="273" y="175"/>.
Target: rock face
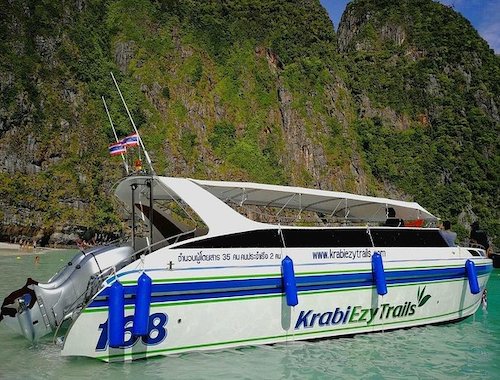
<point x="427" y="104"/>
<point x="259" y="90"/>
<point x="349" y="27"/>
<point x="300" y="149"/>
<point x="124" y="52"/>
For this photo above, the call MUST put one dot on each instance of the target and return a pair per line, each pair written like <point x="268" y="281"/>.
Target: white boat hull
<point x="337" y="302"/>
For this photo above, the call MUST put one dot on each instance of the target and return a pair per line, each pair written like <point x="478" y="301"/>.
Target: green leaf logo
<point x="421" y="298"/>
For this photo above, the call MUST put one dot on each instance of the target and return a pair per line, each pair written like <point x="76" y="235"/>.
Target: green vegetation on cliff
<point x="401" y="103"/>
<point x="428" y="87"/>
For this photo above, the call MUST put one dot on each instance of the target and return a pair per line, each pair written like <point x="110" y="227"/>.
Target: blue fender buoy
<point x="470" y="270"/>
<point x="142" y="303"/>
<point x="116" y="318"/>
<point x="289" y="282"/>
<point x="379" y="274"/>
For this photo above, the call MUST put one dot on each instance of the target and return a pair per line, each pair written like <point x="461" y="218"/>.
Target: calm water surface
<point x="470" y="349"/>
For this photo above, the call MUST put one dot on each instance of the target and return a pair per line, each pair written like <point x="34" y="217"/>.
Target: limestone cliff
<point x="427" y="89"/>
<point x="260" y="90"/>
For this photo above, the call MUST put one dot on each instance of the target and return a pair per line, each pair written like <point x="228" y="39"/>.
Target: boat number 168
<point x="156" y="334"/>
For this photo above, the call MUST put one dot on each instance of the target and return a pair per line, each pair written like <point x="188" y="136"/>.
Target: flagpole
<point x="133" y="125"/>
<point x="114" y="132"/>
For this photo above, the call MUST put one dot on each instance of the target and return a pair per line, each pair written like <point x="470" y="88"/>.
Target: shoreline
<point x="17" y="247"/>
<point x="11" y="246"/>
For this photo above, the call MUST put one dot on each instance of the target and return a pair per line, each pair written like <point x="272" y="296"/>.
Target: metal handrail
<point x="150" y="246"/>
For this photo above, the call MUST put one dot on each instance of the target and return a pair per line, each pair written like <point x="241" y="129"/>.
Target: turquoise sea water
<point x="465" y="350"/>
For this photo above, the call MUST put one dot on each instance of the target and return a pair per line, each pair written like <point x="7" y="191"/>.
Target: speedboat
<point x="214" y="264"/>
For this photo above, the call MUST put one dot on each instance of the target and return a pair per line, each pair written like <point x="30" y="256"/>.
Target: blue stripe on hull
<point x="185" y="291"/>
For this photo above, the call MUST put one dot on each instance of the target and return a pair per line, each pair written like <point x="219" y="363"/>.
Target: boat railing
<point x="476" y="245"/>
<point x="148" y="248"/>
<point x="467" y="243"/>
<point x="163" y="243"/>
<point x="466" y="250"/>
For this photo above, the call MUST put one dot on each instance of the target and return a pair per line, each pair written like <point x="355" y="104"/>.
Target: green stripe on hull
<point x="199" y="279"/>
<point x="249" y="298"/>
<point x="275" y="275"/>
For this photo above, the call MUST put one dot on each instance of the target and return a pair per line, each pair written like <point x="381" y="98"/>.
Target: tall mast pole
<point x="135" y="128"/>
<point x="114" y="132"/>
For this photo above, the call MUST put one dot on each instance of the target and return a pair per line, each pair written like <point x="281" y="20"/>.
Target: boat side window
<point x="294" y="238"/>
<point x="255" y="239"/>
<point x="323" y="238"/>
<point x="171" y="223"/>
<point x="473" y="252"/>
<point x="327" y="238"/>
<point x="401" y="237"/>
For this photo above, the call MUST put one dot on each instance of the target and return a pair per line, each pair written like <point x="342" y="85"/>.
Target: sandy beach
<point x="15" y="249"/>
<point x="8" y="246"/>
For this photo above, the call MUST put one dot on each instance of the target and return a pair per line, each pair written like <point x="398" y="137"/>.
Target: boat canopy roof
<point x="330" y="203"/>
<point x="210" y="199"/>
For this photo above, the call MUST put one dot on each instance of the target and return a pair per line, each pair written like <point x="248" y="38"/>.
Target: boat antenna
<point x="133" y="125"/>
<point x="114" y="132"/>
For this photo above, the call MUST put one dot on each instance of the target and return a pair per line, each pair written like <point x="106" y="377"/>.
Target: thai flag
<point x="130" y="140"/>
<point x="116" y="149"/>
